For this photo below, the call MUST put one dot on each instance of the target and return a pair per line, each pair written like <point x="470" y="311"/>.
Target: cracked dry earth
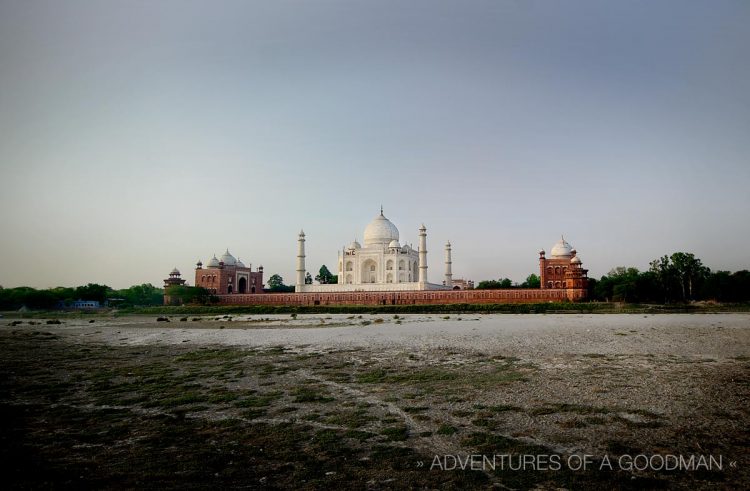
<point x="277" y="403"/>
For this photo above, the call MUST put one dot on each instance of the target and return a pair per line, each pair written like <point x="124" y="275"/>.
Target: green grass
<point x="395" y="433"/>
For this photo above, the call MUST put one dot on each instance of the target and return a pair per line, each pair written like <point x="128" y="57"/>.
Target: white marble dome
<point x="228" y="259"/>
<point x="354" y="245"/>
<point x="239" y="263"/>
<point x="380" y="231"/>
<point x="213" y="263"/>
<point x="394" y="245"/>
<point x="561" y="249"/>
<point x="575" y="260"/>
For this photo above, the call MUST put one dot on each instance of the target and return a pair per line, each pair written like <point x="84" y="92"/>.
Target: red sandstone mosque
<point x="384" y="272"/>
<point x="228" y="276"/>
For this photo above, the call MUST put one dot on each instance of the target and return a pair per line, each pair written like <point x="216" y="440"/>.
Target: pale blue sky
<point x="139" y="136"/>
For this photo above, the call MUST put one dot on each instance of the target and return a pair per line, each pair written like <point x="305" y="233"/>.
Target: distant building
<point x="85" y="304"/>
<point x="174" y="279"/>
<point x="228" y="276"/>
<point x="381" y="264"/>
<point x="563" y="269"/>
<point x="462" y="284"/>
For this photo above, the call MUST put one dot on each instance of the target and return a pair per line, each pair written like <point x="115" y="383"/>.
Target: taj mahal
<point x="384" y="270"/>
<point x="382" y="264"/>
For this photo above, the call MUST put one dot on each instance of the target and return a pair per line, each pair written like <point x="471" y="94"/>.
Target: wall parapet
<point x="423" y="297"/>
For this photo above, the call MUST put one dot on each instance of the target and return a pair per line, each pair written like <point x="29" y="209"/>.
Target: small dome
<point x="575" y="260"/>
<point x="380" y="231"/>
<point x="228" y="259"/>
<point x="394" y="245"/>
<point x="561" y="249"/>
<point x="240" y="264"/>
<point x="175" y="271"/>
<point x="406" y="248"/>
<point x="354" y="245"/>
<point x="213" y="263"/>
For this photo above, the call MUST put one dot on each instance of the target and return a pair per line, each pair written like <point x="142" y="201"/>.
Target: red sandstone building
<point x="228" y="276"/>
<point x="563" y="269"/>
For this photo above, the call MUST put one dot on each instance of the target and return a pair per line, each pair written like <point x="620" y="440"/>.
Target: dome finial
<point x="381" y="210"/>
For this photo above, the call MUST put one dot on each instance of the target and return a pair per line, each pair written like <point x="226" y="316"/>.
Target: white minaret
<point x="448" y="263"/>
<point x="423" y="254"/>
<point x="300" y="261"/>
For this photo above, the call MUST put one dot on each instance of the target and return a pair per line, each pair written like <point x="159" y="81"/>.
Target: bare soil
<point x="341" y="401"/>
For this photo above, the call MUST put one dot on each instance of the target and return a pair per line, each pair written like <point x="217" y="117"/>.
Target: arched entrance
<point x="242" y="285"/>
<point x="229" y="289"/>
<point x="369" y="271"/>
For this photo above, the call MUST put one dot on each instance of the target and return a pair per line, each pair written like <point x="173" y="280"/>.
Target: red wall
<point x="407" y="298"/>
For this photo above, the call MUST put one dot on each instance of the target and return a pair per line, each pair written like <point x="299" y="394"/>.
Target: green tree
<point x="275" y="281"/>
<point x="494" y="284"/>
<point x="690" y="271"/>
<point x="664" y="276"/>
<point x="324" y="276"/>
<point x="145" y="294"/>
<point x="182" y="294"/>
<point x="532" y="281"/>
<point x="276" y="285"/>
<point x="93" y="291"/>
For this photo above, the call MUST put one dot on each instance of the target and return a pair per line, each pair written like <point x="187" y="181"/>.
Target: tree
<point x="145" y="294"/>
<point x="93" y="291"/>
<point x="494" y="284"/>
<point x="275" y="281"/>
<point x="689" y="271"/>
<point x="182" y="294"/>
<point x="324" y="276"/>
<point x="532" y="281"/>
<point x="664" y="275"/>
<point x="276" y="285"/>
<point x="308" y="279"/>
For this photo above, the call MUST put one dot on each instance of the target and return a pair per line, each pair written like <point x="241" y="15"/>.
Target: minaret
<point x="300" y="261"/>
<point x="448" y="263"/>
<point x="423" y="254"/>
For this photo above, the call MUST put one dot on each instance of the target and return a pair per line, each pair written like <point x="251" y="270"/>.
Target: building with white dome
<point x="228" y="275"/>
<point x="381" y="264"/>
<point x="563" y="269"/>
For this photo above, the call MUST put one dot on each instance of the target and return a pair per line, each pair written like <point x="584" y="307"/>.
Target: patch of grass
<point x="311" y="394"/>
<point x="353" y="418"/>
<point x="553" y="408"/>
<point x="446" y="429"/>
<point x="254" y="413"/>
<point x="259" y="400"/>
<point x="395" y="433"/>
<point x="182" y="400"/>
<point x="415" y="409"/>
<point x="501" y="408"/>
<point x="218" y="398"/>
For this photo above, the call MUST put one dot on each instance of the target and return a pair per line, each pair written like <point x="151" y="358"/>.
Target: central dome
<point x="380" y="231"/>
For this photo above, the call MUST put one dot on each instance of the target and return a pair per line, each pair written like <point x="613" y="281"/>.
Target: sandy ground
<point x="716" y="336"/>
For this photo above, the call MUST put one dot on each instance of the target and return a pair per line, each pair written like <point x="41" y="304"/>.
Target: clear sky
<point x="136" y="136"/>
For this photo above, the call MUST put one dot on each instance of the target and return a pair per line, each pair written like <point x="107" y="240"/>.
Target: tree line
<point x="50" y="298"/>
<point x="680" y="277"/>
<point x="532" y="281"/>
